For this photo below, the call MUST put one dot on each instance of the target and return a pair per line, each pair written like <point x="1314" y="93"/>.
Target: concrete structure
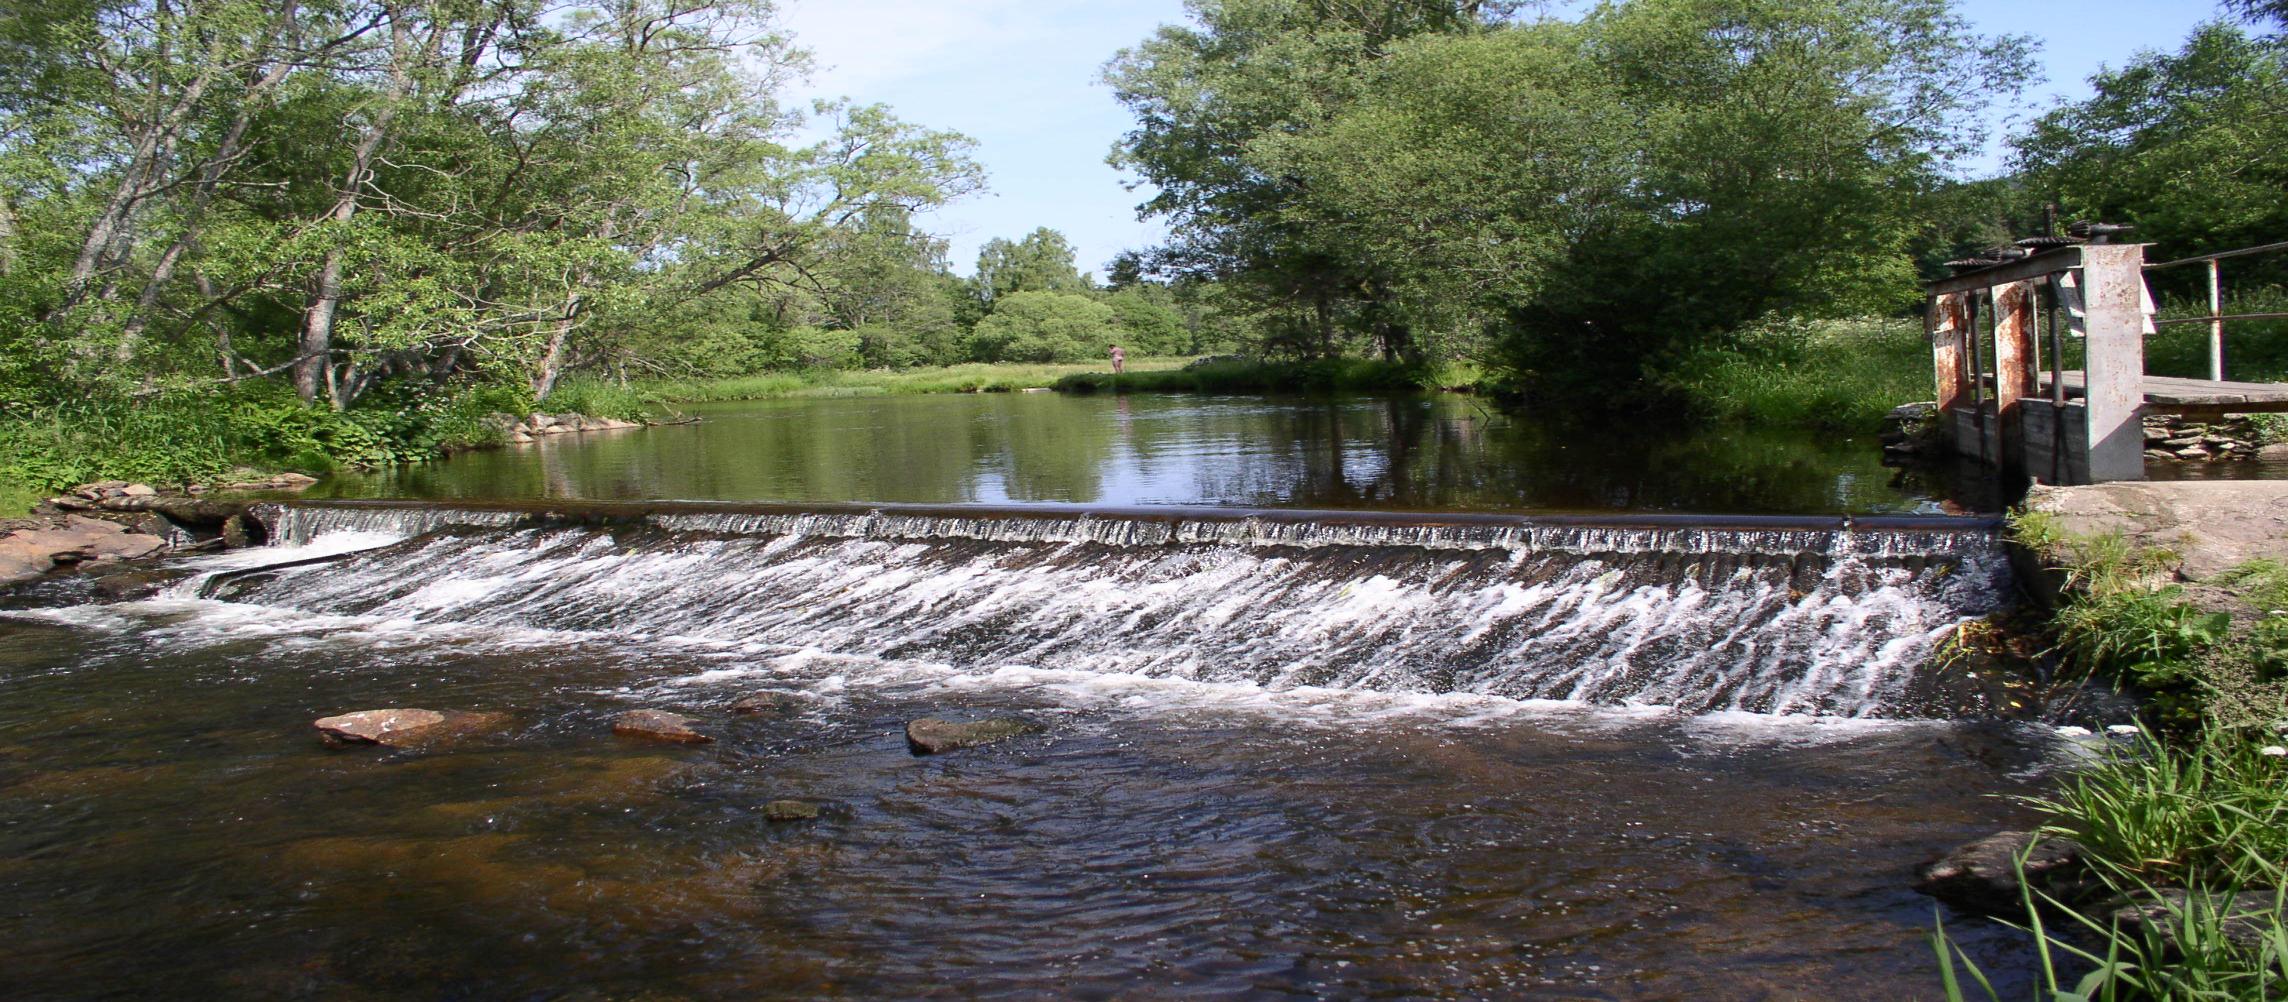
<point x="2001" y="404"/>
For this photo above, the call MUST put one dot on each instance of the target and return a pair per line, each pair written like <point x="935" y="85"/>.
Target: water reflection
<point x="1443" y="452"/>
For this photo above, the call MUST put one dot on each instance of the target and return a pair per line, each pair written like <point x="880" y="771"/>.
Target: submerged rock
<point x="403" y="727"/>
<point x="242" y="530"/>
<point x="2244" y="919"/>
<point x="132" y="585"/>
<point x="658" y="725"/>
<point x="764" y="701"/>
<point x="789" y="810"/>
<point x="1985" y="875"/>
<point x="931" y="736"/>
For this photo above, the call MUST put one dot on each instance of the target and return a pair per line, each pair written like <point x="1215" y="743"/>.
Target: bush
<point x="178" y="438"/>
<point x="1044" y="327"/>
<point x="1838" y="375"/>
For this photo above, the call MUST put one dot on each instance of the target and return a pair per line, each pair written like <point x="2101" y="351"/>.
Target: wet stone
<point x="789" y="810"/>
<point x="132" y="585"/>
<point x="764" y="701"/>
<point x="402" y="727"/>
<point x="931" y="736"/>
<point x="2244" y="919"/>
<point x="1985" y="875"/>
<point x="658" y="725"/>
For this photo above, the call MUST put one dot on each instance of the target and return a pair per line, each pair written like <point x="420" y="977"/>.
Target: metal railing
<point x="2217" y="316"/>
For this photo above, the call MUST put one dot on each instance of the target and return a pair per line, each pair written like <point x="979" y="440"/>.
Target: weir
<point x="1768" y="615"/>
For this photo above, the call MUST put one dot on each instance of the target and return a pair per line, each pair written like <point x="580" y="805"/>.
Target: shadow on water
<point x="1436" y="452"/>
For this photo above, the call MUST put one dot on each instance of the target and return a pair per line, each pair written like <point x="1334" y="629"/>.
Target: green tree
<point x="2183" y="145"/>
<point x="1041" y="262"/>
<point x="1044" y="327"/>
<point x="1147" y="327"/>
<point x="1598" y="196"/>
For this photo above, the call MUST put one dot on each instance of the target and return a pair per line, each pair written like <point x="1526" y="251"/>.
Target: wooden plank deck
<point x="2169" y="394"/>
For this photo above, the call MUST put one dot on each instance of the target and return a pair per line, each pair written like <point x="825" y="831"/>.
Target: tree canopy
<point x="1575" y="199"/>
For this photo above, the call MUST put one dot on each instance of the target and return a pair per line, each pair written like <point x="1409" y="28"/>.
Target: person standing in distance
<point x="1119" y="360"/>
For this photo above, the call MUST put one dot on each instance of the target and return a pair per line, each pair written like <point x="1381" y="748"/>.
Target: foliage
<point x="1044" y="327"/>
<point x="1602" y="197"/>
<point x="1041" y="262"/>
<point x="352" y="195"/>
<point x="967" y="378"/>
<point x="1246" y="376"/>
<point x="2179" y="144"/>
<point x="191" y="437"/>
<point x="1836" y="375"/>
<point x="2210" y="817"/>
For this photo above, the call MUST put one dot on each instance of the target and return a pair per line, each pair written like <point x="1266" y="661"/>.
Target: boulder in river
<point x="1986" y="875"/>
<point x="789" y="810"/>
<point x="402" y="727"/>
<point x="2244" y="919"/>
<point x="35" y="545"/>
<point x="931" y="736"/>
<point x="658" y="725"/>
<point x="764" y="701"/>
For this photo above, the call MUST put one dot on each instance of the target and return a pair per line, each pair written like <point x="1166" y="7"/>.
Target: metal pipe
<point x="2216" y="324"/>
<point x="2217" y="256"/>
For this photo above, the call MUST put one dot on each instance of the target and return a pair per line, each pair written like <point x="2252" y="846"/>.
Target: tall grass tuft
<point x="2210" y="819"/>
<point x="1834" y="375"/>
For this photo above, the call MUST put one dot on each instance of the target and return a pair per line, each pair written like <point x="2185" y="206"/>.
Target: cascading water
<point x="1814" y="619"/>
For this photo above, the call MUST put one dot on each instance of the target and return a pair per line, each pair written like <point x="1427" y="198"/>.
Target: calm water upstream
<point x="1271" y="761"/>
<point x="1442" y="452"/>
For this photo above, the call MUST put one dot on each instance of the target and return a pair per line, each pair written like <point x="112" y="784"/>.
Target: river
<point x="1602" y="758"/>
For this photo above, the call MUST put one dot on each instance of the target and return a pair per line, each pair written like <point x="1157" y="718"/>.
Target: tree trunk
<point x="552" y="362"/>
<point x="314" y="369"/>
<point x="211" y="174"/>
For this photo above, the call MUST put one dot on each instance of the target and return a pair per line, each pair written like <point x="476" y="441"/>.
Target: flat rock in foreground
<point x="658" y="725"/>
<point x="30" y="547"/>
<point x="2214" y="525"/>
<point x="931" y="736"/>
<point x="402" y="727"/>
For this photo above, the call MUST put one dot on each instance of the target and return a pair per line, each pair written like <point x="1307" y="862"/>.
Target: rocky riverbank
<point x="98" y="527"/>
<point x="534" y="427"/>
<point x="1912" y="431"/>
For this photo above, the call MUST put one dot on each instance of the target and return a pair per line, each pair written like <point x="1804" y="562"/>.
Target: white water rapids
<point x="1775" y="621"/>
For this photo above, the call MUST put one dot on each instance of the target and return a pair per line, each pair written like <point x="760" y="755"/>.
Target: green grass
<point x="1349" y="375"/>
<point x="2254" y="350"/>
<point x="1836" y="375"/>
<point x="2210" y="817"/>
<point x="601" y="398"/>
<point x="174" y="439"/>
<point x="2200" y="805"/>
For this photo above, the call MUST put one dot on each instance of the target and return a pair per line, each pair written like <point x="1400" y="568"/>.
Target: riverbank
<point x="2162" y="867"/>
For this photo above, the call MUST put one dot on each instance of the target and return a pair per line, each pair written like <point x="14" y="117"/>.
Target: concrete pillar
<point x="2113" y="294"/>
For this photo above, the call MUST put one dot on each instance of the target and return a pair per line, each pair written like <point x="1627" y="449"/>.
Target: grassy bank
<point x="2192" y="815"/>
<point x="971" y="378"/>
<point x="1347" y="375"/>
<point x="1836" y="375"/>
<point x="181" y="438"/>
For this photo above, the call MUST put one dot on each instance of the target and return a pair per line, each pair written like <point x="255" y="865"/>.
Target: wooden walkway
<point x="2169" y="394"/>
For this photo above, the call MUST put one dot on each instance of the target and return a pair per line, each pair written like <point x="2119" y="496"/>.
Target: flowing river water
<point x="1277" y="755"/>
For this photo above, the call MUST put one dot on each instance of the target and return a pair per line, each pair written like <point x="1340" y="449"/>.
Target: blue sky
<point x="1020" y="77"/>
